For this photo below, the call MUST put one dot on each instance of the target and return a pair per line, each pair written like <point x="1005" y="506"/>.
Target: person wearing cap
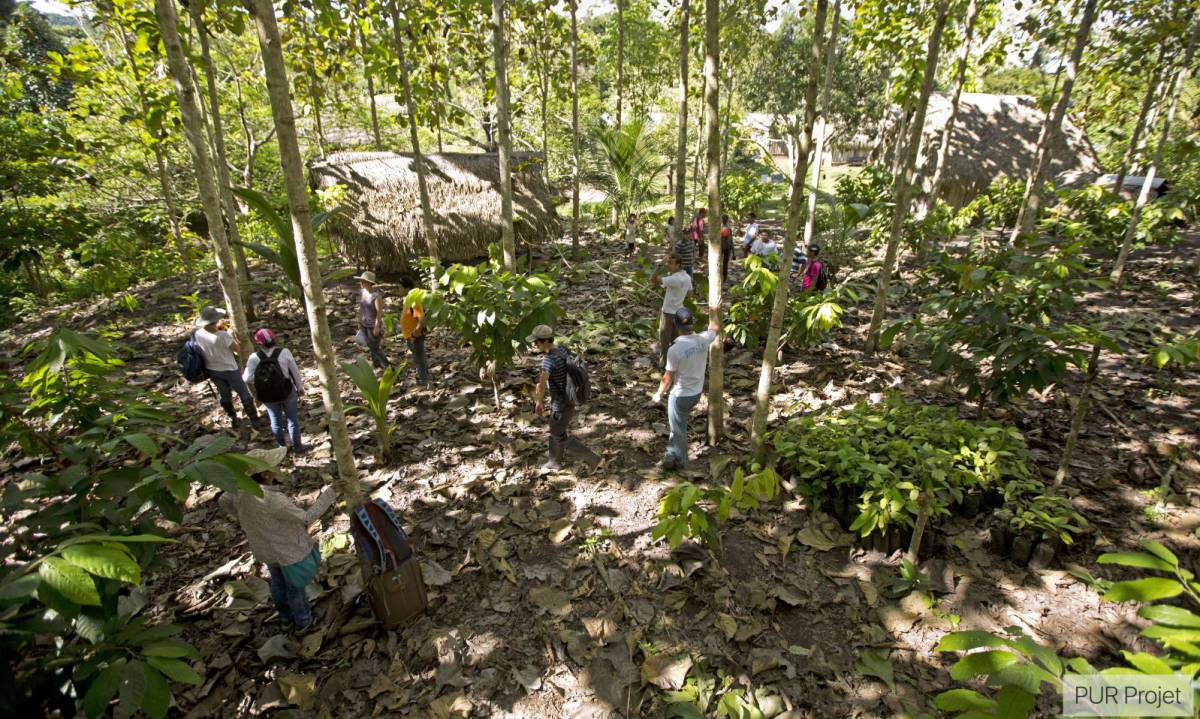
<point x="811" y="272"/>
<point x="277" y="532"/>
<point x="687" y="361"/>
<point x="676" y="286"/>
<point x="289" y="408"/>
<point x="218" y="345"/>
<point x="553" y="378"/>
<point x="370" y="319"/>
<point x="412" y="326"/>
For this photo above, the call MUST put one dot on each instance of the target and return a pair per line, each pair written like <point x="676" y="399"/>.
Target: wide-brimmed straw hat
<point x="367" y="276"/>
<point x="210" y="315"/>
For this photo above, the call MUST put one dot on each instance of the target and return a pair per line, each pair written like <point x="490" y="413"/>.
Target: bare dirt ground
<point x="548" y="597"/>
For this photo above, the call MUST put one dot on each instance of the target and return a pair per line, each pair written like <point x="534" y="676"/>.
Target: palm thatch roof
<point x="995" y="136"/>
<point x="380" y="225"/>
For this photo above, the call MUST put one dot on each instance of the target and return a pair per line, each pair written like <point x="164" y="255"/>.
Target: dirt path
<point x="547" y="594"/>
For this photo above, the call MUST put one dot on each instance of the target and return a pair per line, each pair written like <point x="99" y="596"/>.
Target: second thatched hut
<point x="380" y="223"/>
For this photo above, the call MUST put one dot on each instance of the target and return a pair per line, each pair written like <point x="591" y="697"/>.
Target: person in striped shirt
<point x="685" y="249"/>
<point x="553" y="379"/>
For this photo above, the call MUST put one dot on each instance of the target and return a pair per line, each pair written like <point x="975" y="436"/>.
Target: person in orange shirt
<point x="412" y="326"/>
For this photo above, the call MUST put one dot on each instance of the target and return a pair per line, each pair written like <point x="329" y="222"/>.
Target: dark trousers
<point x="290" y="601"/>
<point x="227" y="382"/>
<point x="725" y="253"/>
<point x="416" y="345"/>
<point x="667" y="333"/>
<point x="375" y="348"/>
<point x="560" y="437"/>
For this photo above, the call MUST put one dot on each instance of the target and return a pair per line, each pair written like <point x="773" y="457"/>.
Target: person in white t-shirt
<point x="764" y="246"/>
<point x="218" y="345"/>
<point x="676" y="287"/>
<point x="749" y="235"/>
<point x="687" y="361"/>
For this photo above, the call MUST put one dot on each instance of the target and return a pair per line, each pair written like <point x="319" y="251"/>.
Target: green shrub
<point x="690" y="511"/>
<point x="867" y="187"/>
<point x="997" y="207"/>
<point x="743" y="192"/>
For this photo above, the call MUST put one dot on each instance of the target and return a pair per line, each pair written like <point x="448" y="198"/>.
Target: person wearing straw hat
<point x="370" y="319"/>
<point x="277" y="533"/>
<point x="273" y="374"/>
<point x="218" y="345"/>
<point x="553" y="378"/>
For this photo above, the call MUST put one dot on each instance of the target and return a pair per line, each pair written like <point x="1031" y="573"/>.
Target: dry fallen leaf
<point x="728" y="625"/>
<point x="298" y="689"/>
<point x="554" y="601"/>
<point x="665" y="671"/>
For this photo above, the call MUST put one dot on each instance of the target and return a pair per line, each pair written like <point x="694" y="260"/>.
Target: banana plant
<point x="376" y="392"/>
<point x="283" y="253"/>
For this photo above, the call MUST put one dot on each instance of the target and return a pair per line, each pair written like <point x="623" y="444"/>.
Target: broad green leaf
<point x="1143" y="590"/>
<point x="103" y="689"/>
<point x="175" y="670"/>
<point x="1013" y="702"/>
<point x="1160" y="551"/>
<point x="20" y="586"/>
<point x="112" y="561"/>
<point x="1147" y="663"/>
<point x="985" y="663"/>
<point x="170" y="649"/>
<point x="133" y="687"/>
<point x="1026" y="676"/>
<point x="966" y="640"/>
<point x="876" y="664"/>
<point x="157" y="699"/>
<point x="1171" y="616"/>
<point x="115" y="538"/>
<point x="1135" y="559"/>
<point x="70" y="581"/>
<point x="957" y="700"/>
<point x="142" y="443"/>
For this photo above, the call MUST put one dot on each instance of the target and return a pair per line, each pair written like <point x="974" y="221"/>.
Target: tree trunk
<point x="1081" y="409"/>
<point x="810" y="220"/>
<point x="196" y="10"/>
<point x="164" y="177"/>
<point x="575" y="133"/>
<point x="939" y="171"/>
<point x="904" y="180"/>
<point x="210" y="198"/>
<point x="716" y="351"/>
<point x="620" y="60"/>
<point x="306" y="246"/>
<point x="762" y="396"/>
<point x="427" y="222"/>
<point x="362" y="43"/>
<point x="681" y="146"/>
<point x="314" y="96"/>
<point x="1136" y="137"/>
<point x="727" y="121"/>
<point x="1176" y="90"/>
<point x="500" y="56"/>
<point x="1033" y="190"/>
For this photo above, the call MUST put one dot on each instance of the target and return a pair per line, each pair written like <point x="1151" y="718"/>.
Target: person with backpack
<point x="370" y="320"/>
<point x="277" y="384"/>
<point x="412" y="326"/>
<point x="217" y="346"/>
<point x="812" y="275"/>
<point x="277" y="532"/>
<point x="555" y="379"/>
<point x="697" y="230"/>
<point x="676" y="286"/>
<point x="687" y="361"/>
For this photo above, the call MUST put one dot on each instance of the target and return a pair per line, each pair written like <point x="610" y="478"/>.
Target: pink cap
<point x="264" y="337"/>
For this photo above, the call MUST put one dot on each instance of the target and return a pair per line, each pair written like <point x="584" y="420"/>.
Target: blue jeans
<point x="417" y="346"/>
<point x="228" y="381"/>
<point x="288" y="409"/>
<point x="289" y="600"/>
<point x="678" y="409"/>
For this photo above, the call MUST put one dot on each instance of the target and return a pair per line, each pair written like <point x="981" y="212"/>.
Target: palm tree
<point x="630" y="167"/>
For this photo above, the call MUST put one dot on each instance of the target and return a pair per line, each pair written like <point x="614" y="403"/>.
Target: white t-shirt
<point x="630" y="230"/>
<point x="670" y="234"/>
<point x="217" y="348"/>
<point x="751" y="233"/>
<point x="675" y="289"/>
<point x="763" y="247"/>
<point x="687" y="360"/>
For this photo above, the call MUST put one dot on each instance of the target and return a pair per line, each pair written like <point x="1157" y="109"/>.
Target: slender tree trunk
<point x="500" y="56"/>
<point x="762" y="396"/>
<point x="681" y="145"/>
<point x="1081" y="410"/>
<point x="543" y="102"/>
<point x="314" y="96"/>
<point x="362" y="43"/>
<point x="1136" y="137"/>
<point x="939" y="171"/>
<point x="904" y="180"/>
<point x="574" y="133"/>
<point x="1033" y="189"/>
<point x="1118" y="271"/>
<point x="210" y="198"/>
<point x="727" y="121"/>
<point x="196" y="9"/>
<point x="306" y="246"/>
<point x="716" y="351"/>
<point x="810" y="220"/>
<point x="427" y="222"/>
<point x="620" y="60"/>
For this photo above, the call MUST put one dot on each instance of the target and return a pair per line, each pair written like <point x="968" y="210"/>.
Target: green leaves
<point x="874" y="663"/>
<point x="985" y="663"/>
<point x="112" y="561"/>
<point x="690" y="511"/>
<point x="70" y="581"/>
<point x="1143" y="590"/>
<point x="376" y="392"/>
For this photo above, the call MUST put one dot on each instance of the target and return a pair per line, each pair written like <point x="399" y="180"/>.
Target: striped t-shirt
<point x="555" y="365"/>
<point x="686" y="249"/>
<point x="798" y="259"/>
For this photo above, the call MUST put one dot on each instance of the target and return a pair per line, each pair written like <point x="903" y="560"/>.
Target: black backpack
<point x="191" y="360"/>
<point x="824" y="276"/>
<point x="579" y="385"/>
<point x="270" y="383"/>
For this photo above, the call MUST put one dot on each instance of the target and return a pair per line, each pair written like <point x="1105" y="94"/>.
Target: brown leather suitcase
<point x="396" y="595"/>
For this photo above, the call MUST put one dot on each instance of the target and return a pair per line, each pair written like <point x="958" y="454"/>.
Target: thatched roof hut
<point x="995" y="136"/>
<point x="380" y="226"/>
